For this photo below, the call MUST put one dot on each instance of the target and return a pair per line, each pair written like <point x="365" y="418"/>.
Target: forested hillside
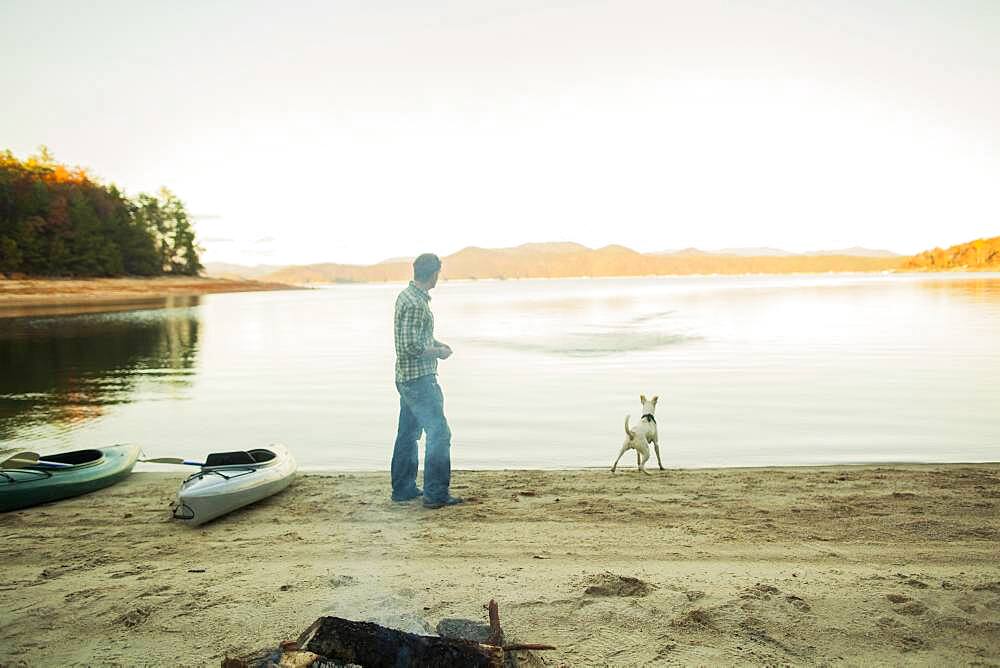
<point x="981" y="254"/>
<point x="56" y="220"/>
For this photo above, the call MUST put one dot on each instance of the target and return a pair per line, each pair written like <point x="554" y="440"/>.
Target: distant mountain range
<point x="568" y="259"/>
<point x="228" y="270"/>
<point x="855" y="251"/>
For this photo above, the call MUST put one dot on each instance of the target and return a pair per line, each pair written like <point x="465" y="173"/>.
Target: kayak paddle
<point x="20" y="460"/>
<point x="23" y="460"/>
<point x="171" y="460"/>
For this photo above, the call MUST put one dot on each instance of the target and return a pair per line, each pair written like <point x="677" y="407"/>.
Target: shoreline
<point x="868" y="564"/>
<point x="64" y="296"/>
<point x="41" y="291"/>
<point x="678" y="469"/>
<point x="973" y="274"/>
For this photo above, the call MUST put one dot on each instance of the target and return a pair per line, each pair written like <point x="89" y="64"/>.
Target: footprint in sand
<point x="697" y="618"/>
<point x="888" y="624"/>
<point x="911" y="643"/>
<point x="85" y="594"/>
<point x="133" y="617"/>
<point x="911" y="608"/>
<point x="800" y="604"/>
<point x="760" y="591"/>
<point x="342" y="580"/>
<point x="609" y="584"/>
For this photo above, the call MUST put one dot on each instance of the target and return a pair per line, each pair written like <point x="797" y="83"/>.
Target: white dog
<point x="639" y="437"/>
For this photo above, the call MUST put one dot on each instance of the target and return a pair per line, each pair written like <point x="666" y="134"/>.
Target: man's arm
<point x="408" y="340"/>
<point x="408" y="328"/>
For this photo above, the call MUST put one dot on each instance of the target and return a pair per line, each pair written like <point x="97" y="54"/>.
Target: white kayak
<point x="231" y="480"/>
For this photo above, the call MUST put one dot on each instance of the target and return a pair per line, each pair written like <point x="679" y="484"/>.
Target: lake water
<point x="754" y="370"/>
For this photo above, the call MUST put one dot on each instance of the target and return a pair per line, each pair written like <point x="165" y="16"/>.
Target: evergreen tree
<point x="10" y="255"/>
<point x="182" y="255"/>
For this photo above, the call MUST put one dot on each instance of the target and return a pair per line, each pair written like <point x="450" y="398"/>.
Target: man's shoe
<point x="408" y="497"/>
<point x="450" y="501"/>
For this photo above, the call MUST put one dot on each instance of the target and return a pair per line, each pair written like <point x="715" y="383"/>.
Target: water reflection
<point x="587" y="344"/>
<point x="980" y="290"/>
<point x="750" y="370"/>
<point x="63" y="370"/>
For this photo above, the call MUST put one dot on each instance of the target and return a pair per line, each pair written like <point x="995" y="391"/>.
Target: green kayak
<point x="87" y="470"/>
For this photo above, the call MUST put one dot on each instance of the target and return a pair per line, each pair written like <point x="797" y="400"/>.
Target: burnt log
<point x="374" y="646"/>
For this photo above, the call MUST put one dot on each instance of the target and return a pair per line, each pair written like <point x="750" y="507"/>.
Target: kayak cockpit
<point x="228" y="465"/>
<point x="239" y="458"/>
<point x="63" y="462"/>
<point x="75" y="458"/>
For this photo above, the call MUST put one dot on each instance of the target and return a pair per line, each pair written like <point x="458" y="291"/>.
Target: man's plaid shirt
<point x="414" y="332"/>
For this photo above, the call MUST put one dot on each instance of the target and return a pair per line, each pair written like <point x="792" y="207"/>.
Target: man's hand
<point x="439" y="350"/>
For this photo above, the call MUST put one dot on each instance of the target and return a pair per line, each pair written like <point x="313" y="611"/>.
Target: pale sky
<point x="358" y="131"/>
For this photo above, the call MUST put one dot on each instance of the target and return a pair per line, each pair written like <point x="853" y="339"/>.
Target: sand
<point x="839" y="565"/>
<point x="55" y="296"/>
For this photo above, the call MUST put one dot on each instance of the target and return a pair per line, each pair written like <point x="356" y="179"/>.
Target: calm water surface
<point x="757" y="370"/>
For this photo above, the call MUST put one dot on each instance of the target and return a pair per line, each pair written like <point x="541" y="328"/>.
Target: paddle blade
<point x="20" y="460"/>
<point x="30" y="459"/>
<point x="170" y="460"/>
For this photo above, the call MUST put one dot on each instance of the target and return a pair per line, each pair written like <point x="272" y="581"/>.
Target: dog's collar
<point x="650" y="416"/>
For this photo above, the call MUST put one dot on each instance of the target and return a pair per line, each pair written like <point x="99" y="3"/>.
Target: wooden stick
<point x="497" y="636"/>
<point x="496" y="632"/>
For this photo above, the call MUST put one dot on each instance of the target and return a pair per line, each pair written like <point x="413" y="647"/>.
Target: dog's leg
<point x="642" y="461"/>
<point x="656" y="447"/>
<point x="623" y="451"/>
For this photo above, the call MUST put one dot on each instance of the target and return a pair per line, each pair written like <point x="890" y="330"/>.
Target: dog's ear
<point x="642" y="398"/>
<point x="654" y="399"/>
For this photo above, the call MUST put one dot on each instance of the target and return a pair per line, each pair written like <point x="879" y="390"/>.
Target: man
<point x="421" y="402"/>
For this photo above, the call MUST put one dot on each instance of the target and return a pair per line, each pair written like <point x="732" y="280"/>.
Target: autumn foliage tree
<point x="977" y="255"/>
<point x="58" y="221"/>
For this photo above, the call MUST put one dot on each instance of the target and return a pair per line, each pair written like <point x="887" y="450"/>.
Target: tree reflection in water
<point x="68" y="368"/>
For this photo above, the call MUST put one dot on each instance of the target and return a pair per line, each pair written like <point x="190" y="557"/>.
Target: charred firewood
<point x="374" y="646"/>
<point x="334" y="641"/>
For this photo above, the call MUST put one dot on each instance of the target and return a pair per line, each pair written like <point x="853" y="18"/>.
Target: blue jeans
<point x="421" y="408"/>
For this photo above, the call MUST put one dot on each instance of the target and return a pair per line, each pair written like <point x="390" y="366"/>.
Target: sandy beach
<point x="839" y="565"/>
<point x="57" y="296"/>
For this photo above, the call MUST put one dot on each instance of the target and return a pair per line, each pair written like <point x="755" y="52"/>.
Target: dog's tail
<point x="627" y="431"/>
